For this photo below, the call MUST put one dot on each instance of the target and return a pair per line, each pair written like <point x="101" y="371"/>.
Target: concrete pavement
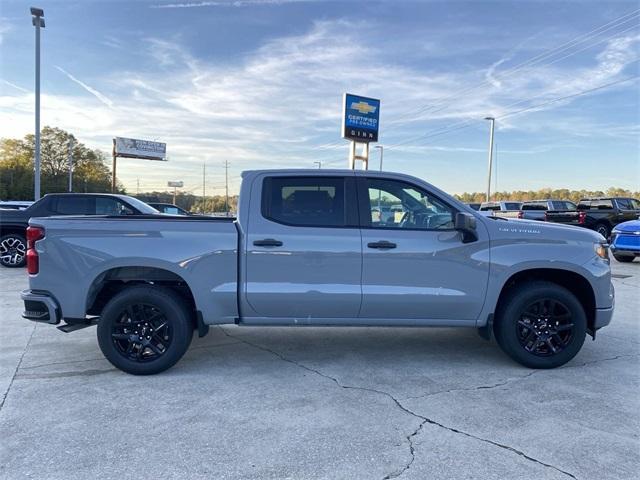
<point x="319" y="403"/>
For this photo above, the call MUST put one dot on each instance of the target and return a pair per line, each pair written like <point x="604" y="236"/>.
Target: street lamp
<point x="319" y="164"/>
<point x="38" y="22"/>
<point x="381" y="147"/>
<point x="493" y="122"/>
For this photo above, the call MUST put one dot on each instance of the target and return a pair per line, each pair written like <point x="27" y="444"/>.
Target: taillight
<point x="33" y="235"/>
<point x="582" y="216"/>
<point x="520" y="214"/>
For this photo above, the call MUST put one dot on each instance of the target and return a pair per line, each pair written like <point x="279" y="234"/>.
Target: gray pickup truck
<point x="310" y="247"/>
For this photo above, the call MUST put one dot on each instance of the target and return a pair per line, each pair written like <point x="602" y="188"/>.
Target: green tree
<point x="90" y="173"/>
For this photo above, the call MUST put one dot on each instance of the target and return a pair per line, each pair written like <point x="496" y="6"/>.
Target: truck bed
<point x="199" y="250"/>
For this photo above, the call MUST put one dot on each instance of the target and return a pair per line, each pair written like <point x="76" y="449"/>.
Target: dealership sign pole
<point x="135" y="148"/>
<point x="175" y="185"/>
<point x="360" y="125"/>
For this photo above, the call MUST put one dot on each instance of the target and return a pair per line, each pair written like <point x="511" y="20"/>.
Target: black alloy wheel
<point x="540" y="324"/>
<point x="145" y="329"/>
<point x="545" y="327"/>
<point x="142" y="333"/>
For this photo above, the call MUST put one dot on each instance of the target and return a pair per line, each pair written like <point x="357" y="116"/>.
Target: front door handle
<point x="268" y="242"/>
<point x="382" y="245"/>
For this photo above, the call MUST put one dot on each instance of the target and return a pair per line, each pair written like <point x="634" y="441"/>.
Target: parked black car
<point x="599" y="214"/>
<point x="13" y="223"/>
<point x="168" y="208"/>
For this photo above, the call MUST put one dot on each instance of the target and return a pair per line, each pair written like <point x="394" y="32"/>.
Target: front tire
<point x="13" y="250"/>
<point x="145" y="330"/>
<point x="540" y="325"/>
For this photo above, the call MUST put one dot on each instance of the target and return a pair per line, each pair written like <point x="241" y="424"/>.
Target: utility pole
<point x="38" y="22"/>
<point x="493" y="122"/>
<point x="204" y="196"/>
<point x="70" y="165"/>
<point x="226" y="187"/>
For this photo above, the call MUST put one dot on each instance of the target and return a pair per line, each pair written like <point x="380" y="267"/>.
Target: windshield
<point x="141" y="206"/>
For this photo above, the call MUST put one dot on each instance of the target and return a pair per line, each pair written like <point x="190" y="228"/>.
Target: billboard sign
<point x="176" y="184"/>
<point x="135" y="148"/>
<point x="361" y="118"/>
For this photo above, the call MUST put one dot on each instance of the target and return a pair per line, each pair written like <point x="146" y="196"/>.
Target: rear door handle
<point x="382" y="244"/>
<point x="268" y="242"/>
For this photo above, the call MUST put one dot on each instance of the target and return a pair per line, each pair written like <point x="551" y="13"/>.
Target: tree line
<point x="90" y="172"/>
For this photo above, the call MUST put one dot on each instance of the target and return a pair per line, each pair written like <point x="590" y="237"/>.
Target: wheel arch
<point x="112" y="281"/>
<point x="572" y="281"/>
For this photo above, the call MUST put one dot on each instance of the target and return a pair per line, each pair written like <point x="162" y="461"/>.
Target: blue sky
<point x="259" y="83"/>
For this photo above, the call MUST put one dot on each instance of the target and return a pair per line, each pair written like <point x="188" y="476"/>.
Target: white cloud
<point x="103" y="98"/>
<point x="278" y="104"/>
<point x="13" y="85"/>
<point x="229" y="3"/>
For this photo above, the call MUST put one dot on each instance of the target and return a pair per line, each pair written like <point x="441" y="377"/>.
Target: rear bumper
<point x="40" y="307"/>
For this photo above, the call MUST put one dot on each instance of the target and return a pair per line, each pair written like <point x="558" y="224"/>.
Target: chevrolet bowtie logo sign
<point x="363" y="107"/>
<point x="360" y="118"/>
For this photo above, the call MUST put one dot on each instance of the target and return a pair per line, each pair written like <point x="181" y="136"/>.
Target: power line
<point x="535" y="60"/>
<point x="467" y="123"/>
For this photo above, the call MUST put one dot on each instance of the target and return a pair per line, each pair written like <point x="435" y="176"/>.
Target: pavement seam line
<point x="424" y="419"/>
<point x="26" y="347"/>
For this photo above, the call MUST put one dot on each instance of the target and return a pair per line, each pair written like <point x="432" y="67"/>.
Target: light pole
<point x="70" y="165"/>
<point x="319" y="164"/>
<point x="493" y="122"/>
<point x="38" y="22"/>
<point x="381" y="147"/>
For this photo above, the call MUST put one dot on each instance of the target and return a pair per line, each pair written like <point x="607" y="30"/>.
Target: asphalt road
<point x="311" y="403"/>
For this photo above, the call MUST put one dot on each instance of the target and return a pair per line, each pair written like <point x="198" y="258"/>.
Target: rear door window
<point x="74" y="205"/>
<point x="306" y="201"/>
<point x="534" y="206"/>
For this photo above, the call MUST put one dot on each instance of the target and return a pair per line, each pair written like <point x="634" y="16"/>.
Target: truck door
<point x="415" y="265"/>
<point x="303" y="248"/>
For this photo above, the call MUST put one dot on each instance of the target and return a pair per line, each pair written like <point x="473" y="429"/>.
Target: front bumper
<point x="40" y="307"/>
<point x="603" y="317"/>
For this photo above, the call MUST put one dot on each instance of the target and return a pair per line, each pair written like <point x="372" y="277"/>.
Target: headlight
<point x="602" y="250"/>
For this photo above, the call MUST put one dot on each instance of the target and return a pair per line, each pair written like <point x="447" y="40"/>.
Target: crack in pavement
<point x="76" y="373"/>
<point x="516" y="379"/>
<point x="26" y="347"/>
<point x="479" y="387"/>
<point x="423" y="419"/>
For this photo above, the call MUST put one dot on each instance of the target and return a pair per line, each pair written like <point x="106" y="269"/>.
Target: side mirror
<point x="466" y="224"/>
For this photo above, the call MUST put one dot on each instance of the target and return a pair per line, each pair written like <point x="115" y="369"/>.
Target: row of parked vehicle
<point x="615" y="218"/>
<point x="606" y="216"/>
<point x="14" y="216"/>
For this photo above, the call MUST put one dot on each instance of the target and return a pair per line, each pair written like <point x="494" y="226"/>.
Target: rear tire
<point x="540" y="325"/>
<point x="145" y="330"/>
<point x="624" y="258"/>
<point x="13" y="250"/>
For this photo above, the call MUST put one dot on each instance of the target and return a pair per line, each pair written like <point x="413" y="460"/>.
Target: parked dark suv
<point x="599" y="214"/>
<point x="13" y="223"/>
